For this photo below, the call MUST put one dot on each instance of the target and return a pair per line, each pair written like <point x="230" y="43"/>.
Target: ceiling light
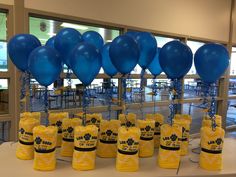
<point x="69" y="25"/>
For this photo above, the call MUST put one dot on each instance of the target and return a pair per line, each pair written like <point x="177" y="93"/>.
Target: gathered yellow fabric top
<point x="128" y="120"/>
<point x="207" y="122"/>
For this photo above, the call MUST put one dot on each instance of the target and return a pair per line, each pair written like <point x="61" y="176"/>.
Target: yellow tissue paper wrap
<point x="25" y="145"/>
<point x="107" y="143"/>
<point x="94" y="119"/>
<point x="206" y="122"/>
<point x="55" y="119"/>
<point x="169" y="150"/>
<point x="146" y="143"/>
<point x="128" y="120"/>
<point x="211" y="148"/>
<point x="36" y="115"/>
<point x="159" y="119"/>
<point x="67" y="145"/>
<point x="128" y="145"/>
<point x="183" y="120"/>
<point x="45" y="139"/>
<point x="85" y="141"/>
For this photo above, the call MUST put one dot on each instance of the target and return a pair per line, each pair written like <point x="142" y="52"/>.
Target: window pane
<point x="194" y="45"/>
<point x="3" y="43"/>
<point x="231" y="119"/>
<point x="233" y="62"/>
<point x="4" y="97"/>
<point x="44" y="29"/>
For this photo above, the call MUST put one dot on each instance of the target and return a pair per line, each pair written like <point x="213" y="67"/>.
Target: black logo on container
<point x="38" y="140"/>
<point x="130" y="141"/>
<point x="70" y="129"/>
<point x="87" y="136"/>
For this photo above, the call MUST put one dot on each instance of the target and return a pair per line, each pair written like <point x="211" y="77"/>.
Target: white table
<point x="10" y="166"/>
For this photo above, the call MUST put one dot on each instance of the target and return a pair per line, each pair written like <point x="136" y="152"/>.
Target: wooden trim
<point x="230" y="97"/>
<point x="86" y="21"/>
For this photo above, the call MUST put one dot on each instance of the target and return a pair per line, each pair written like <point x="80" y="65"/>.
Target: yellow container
<point x="94" y="119"/>
<point x="36" y="115"/>
<point x="128" y="145"/>
<point x="206" y="122"/>
<point x="55" y="119"/>
<point x="159" y="119"/>
<point x="146" y="143"/>
<point x="107" y="144"/>
<point x="45" y="139"/>
<point x="68" y="125"/>
<point x="128" y="120"/>
<point x="211" y="148"/>
<point x="169" y="150"/>
<point x="85" y="141"/>
<point x="184" y="120"/>
<point x="25" y="145"/>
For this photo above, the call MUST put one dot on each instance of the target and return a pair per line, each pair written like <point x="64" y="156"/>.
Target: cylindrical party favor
<point x="211" y="148"/>
<point x="183" y="120"/>
<point x="68" y="125"/>
<point x="146" y="143"/>
<point x="45" y="139"/>
<point x="127" y="149"/>
<point x="94" y="119"/>
<point x="107" y="143"/>
<point x="169" y="150"/>
<point x="206" y="122"/>
<point x="25" y="146"/>
<point x="85" y="140"/>
<point x="159" y="119"/>
<point x="128" y="120"/>
<point x="55" y="119"/>
<point x="36" y="115"/>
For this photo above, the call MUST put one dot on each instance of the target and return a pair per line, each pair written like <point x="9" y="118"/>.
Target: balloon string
<point x="124" y="94"/>
<point x="110" y="91"/>
<point x="30" y="90"/>
<point x="68" y="76"/>
<point x="85" y="103"/>
<point x="175" y="91"/>
<point x="154" y="91"/>
<point x="22" y="91"/>
<point x="46" y="105"/>
<point x="141" y="90"/>
<point x="212" y="109"/>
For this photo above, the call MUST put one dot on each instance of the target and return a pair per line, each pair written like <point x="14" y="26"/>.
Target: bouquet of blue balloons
<point x="85" y="55"/>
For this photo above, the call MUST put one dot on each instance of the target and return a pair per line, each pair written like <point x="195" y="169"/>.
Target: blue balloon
<point x="175" y="59"/>
<point x="154" y="67"/>
<point x="94" y="38"/>
<point x="86" y="61"/>
<point x="131" y="34"/>
<point x="50" y="42"/>
<point x="65" y="41"/>
<point x="211" y="61"/>
<point x="147" y="46"/>
<point x="107" y="65"/>
<point x="45" y="65"/>
<point x="19" y="48"/>
<point x="124" y="53"/>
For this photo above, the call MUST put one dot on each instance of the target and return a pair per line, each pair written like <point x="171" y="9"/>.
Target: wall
<point x="7" y="2"/>
<point x="198" y="18"/>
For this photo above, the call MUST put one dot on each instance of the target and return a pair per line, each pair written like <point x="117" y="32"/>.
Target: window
<point x="194" y="45"/>
<point x="4" y="96"/>
<point x="3" y="42"/>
